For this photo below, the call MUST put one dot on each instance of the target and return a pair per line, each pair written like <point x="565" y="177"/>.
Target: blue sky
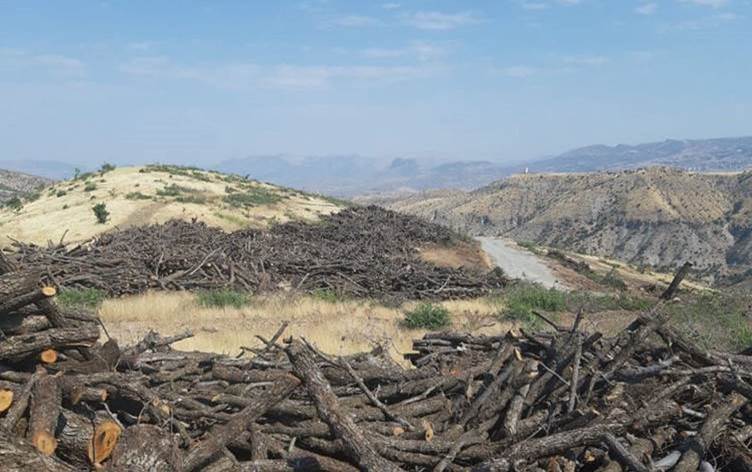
<point x="202" y="81"/>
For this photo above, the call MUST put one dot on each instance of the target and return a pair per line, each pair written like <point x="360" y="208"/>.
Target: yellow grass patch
<point x="341" y="327"/>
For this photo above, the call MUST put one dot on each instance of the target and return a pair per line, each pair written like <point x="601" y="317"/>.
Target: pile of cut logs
<point x="647" y="399"/>
<point x="362" y="252"/>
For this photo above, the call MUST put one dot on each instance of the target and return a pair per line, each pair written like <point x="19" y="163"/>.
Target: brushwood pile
<point x="361" y="252"/>
<point x="72" y="399"/>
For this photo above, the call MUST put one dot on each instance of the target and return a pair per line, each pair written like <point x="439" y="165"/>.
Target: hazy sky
<point x="202" y="81"/>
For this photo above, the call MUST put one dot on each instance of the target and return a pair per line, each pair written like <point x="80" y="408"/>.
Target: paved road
<point x="518" y="262"/>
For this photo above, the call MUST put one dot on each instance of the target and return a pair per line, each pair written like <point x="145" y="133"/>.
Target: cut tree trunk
<point x="46" y="400"/>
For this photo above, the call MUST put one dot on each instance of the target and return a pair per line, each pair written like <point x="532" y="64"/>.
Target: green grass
<point x="197" y="199"/>
<point x="521" y="299"/>
<point x="325" y="295"/>
<point x="715" y="320"/>
<point x="427" y="316"/>
<point x="137" y="196"/>
<point x="223" y="298"/>
<point x="84" y="297"/>
<point x="252" y="197"/>
<point x="174" y="190"/>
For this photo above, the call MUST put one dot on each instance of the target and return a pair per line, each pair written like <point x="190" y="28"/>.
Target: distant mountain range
<point x="354" y="175"/>
<point x="48" y="169"/>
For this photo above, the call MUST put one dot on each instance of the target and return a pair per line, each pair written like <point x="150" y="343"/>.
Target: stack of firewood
<point x="566" y="399"/>
<point x="363" y="252"/>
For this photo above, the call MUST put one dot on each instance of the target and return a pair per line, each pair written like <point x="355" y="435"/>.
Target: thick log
<point x="15" y="347"/>
<point x="21" y="402"/>
<point x="219" y="437"/>
<point x="16" y="455"/>
<point x="342" y="426"/>
<point x="145" y="448"/>
<point x="16" y="284"/>
<point x="35" y="296"/>
<point x="46" y="402"/>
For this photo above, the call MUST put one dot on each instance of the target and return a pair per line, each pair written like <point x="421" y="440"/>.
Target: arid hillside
<point x="14" y="185"/>
<point x="135" y="196"/>
<point x="657" y="216"/>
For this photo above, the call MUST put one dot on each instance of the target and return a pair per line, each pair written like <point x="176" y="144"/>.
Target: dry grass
<point x="51" y="216"/>
<point x="463" y="254"/>
<point x="340" y="327"/>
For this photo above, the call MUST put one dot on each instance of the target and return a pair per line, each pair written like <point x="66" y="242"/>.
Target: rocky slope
<point x="16" y="184"/>
<point x="659" y="216"/>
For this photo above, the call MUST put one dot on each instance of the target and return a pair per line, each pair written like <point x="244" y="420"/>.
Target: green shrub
<point x="521" y="299"/>
<point x="90" y="187"/>
<point x="136" y="196"/>
<point x="14" y="204"/>
<point x="254" y="197"/>
<point x="427" y="316"/>
<point x="32" y="197"/>
<point x="325" y="294"/>
<point x="174" y="190"/>
<point x="84" y="297"/>
<point x="223" y="298"/>
<point x="197" y="199"/>
<point x="106" y="167"/>
<point x="101" y="213"/>
<point x="61" y="193"/>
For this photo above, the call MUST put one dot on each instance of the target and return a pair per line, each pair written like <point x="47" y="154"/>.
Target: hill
<point x="659" y="217"/>
<point x="137" y="196"/>
<point x="16" y="185"/>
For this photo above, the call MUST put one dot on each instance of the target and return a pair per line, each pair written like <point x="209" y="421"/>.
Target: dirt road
<point x="518" y="262"/>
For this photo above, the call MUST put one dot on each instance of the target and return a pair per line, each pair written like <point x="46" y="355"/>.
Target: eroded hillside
<point x="658" y="216"/>
<point x="136" y="196"/>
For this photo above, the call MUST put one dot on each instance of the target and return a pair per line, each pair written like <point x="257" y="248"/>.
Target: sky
<point x="198" y="82"/>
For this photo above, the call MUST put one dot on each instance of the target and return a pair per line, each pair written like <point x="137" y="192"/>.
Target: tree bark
<point x="326" y="402"/>
<point x="46" y="400"/>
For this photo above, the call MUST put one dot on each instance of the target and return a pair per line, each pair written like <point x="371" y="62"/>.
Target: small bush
<point x="106" y="167"/>
<point x="223" y="298"/>
<point x="174" y="190"/>
<point x="326" y="295"/>
<point x="85" y="297"/>
<point x="32" y="197"/>
<point x="14" y="204"/>
<point x="101" y="213"/>
<point x="197" y="199"/>
<point x="90" y="187"/>
<point x="523" y="298"/>
<point x="427" y="316"/>
<point x="61" y="193"/>
<point x="257" y="196"/>
<point x="136" y="196"/>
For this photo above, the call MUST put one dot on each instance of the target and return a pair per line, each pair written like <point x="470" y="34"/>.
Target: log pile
<point x="363" y="252"/>
<point x="644" y="400"/>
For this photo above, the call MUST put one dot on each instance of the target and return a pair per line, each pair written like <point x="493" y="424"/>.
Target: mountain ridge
<point x="659" y="216"/>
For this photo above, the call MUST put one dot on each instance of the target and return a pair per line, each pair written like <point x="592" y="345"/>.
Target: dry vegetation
<point x="335" y="326"/>
<point x="136" y="196"/>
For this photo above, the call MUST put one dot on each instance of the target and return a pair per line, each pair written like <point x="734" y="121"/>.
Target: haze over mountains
<point x="354" y="175"/>
<point x="350" y="175"/>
